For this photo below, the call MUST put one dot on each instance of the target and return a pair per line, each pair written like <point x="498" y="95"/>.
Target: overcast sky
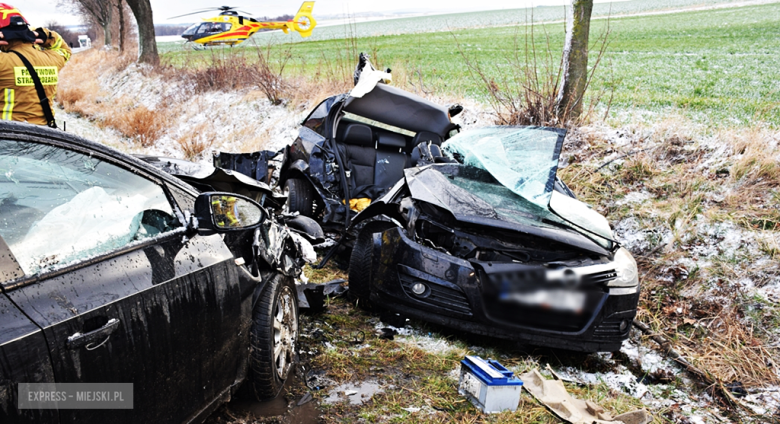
<point x="38" y="12"/>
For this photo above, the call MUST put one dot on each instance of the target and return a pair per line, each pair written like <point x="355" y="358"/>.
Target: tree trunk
<point x="107" y="32"/>
<point x="575" y="59"/>
<point x="121" y="25"/>
<point x="147" y="45"/>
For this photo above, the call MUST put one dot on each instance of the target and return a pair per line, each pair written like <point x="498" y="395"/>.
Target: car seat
<point x="390" y="159"/>
<point x="425" y="137"/>
<point x="425" y="153"/>
<point x="358" y="146"/>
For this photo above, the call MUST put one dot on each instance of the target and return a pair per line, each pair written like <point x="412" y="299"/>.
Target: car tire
<point x="361" y="264"/>
<point x="300" y="197"/>
<point x="274" y="337"/>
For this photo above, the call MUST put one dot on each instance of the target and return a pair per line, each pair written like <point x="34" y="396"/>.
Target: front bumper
<point x="455" y="297"/>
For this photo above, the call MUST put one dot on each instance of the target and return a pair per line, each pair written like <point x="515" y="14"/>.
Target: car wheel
<point x="300" y="197"/>
<point x="274" y="336"/>
<point x="360" y="264"/>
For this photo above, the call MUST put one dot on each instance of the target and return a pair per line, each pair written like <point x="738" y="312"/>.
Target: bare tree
<point x="102" y="13"/>
<point x="97" y="12"/>
<point x="575" y="59"/>
<point x="121" y="8"/>
<point x="147" y="45"/>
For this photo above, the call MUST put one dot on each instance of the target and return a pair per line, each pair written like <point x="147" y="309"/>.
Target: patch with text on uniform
<point x="47" y="74"/>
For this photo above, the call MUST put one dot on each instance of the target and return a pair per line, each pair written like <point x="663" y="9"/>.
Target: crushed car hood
<point x="525" y="161"/>
<point x="471" y="200"/>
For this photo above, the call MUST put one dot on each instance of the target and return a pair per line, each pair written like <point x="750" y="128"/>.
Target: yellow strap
<point x="9" y="96"/>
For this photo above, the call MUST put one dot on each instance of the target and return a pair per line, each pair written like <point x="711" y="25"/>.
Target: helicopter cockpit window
<point x="203" y="28"/>
<point x="191" y="30"/>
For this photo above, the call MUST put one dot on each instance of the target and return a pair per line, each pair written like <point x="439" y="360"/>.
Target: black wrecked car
<point x="492" y="243"/>
<point x="114" y="271"/>
<point x="354" y="147"/>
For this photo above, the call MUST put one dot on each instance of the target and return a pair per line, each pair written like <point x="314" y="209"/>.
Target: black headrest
<point x="359" y="135"/>
<point x="426" y="136"/>
<point x="424" y="154"/>
<point x="389" y="139"/>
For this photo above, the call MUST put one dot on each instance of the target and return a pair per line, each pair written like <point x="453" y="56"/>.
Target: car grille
<point x="601" y="277"/>
<point x="609" y="329"/>
<point x="442" y="293"/>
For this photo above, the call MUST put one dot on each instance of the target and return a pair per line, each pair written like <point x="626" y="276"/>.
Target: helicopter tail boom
<point x="303" y="22"/>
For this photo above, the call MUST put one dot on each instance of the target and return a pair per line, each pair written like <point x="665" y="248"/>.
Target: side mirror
<point x="223" y="212"/>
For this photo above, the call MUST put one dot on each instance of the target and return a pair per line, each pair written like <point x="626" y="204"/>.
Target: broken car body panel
<point x="475" y="253"/>
<point x="209" y="178"/>
<point x="357" y="148"/>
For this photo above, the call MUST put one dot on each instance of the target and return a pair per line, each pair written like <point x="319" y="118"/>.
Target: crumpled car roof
<point x="402" y="109"/>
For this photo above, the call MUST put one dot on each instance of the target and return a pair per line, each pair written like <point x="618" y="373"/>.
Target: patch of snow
<point x="639" y="238"/>
<point x="222" y="121"/>
<point x="764" y="402"/>
<point x="620" y="380"/>
<point x="634" y="197"/>
<point x="414" y="337"/>
<point x="648" y="359"/>
<point x="428" y="343"/>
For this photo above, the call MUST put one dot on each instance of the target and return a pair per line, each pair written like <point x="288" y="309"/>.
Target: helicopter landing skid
<point x="194" y="46"/>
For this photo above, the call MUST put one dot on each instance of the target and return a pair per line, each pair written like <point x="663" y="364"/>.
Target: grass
<point x="484" y="19"/>
<point x="413" y="374"/>
<point x="412" y="377"/>
<point x="708" y="244"/>
<point x="717" y="66"/>
<point x="176" y="110"/>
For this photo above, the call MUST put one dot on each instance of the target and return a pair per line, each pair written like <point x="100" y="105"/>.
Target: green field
<point x="719" y="67"/>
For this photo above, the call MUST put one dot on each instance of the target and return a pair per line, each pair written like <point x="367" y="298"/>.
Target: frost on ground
<point x="425" y="341"/>
<point x="139" y="111"/>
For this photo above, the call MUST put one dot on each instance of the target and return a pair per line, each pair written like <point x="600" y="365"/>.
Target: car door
<point x="24" y="356"/>
<point x="120" y="291"/>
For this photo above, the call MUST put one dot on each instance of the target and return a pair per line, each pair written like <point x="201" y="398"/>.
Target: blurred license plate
<point x="562" y="300"/>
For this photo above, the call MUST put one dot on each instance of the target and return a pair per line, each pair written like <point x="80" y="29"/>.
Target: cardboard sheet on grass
<point x="553" y="395"/>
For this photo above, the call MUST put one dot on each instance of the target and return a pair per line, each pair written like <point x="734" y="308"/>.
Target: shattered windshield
<point x="522" y="159"/>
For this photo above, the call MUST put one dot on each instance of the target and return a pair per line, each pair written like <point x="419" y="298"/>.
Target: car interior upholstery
<point x="376" y="158"/>
<point x="360" y="150"/>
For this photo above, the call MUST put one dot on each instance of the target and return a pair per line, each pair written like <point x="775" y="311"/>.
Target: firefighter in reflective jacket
<point x="46" y="52"/>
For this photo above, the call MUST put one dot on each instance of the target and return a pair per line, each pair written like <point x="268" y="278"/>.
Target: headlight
<point x="625" y="267"/>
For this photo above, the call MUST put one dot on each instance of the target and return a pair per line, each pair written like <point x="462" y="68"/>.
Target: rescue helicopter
<point x="231" y="27"/>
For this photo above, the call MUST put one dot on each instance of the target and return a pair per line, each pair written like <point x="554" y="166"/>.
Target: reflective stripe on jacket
<point x="8" y="104"/>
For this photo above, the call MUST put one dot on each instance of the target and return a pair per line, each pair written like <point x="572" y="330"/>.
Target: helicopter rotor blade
<point x="194" y="13"/>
